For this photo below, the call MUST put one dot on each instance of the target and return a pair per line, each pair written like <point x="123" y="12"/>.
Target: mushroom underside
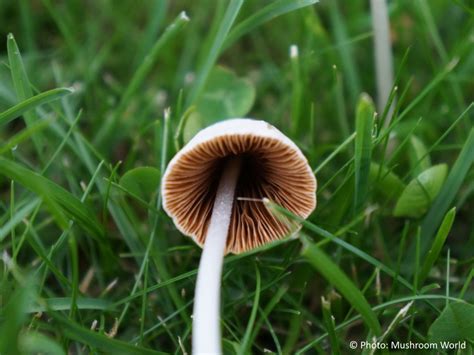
<point x="269" y="169"/>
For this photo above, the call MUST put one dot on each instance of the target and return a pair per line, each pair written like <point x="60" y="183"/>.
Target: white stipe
<point x="383" y="55"/>
<point x="206" y="314"/>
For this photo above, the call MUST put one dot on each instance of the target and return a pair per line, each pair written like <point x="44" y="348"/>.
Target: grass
<point x="91" y="91"/>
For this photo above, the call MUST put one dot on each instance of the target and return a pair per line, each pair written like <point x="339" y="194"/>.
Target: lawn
<point x="96" y="97"/>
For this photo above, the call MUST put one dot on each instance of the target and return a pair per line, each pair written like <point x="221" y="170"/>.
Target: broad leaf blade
<point x="224" y="96"/>
<point x="37" y="343"/>
<point x="385" y="180"/>
<point x="142" y="182"/>
<point x="455" y="323"/>
<point x="420" y="192"/>
<point x="233" y="9"/>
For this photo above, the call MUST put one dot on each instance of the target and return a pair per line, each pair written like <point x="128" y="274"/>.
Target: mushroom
<point x="213" y="190"/>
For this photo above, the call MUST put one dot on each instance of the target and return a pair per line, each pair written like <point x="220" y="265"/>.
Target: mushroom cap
<point x="272" y="167"/>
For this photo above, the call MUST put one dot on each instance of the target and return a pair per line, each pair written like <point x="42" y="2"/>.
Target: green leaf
<point x="420" y="192"/>
<point x="225" y="95"/>
<point x="142" y="182"/>
<point x="455" y="323"/>
<point x="419" y="157"/>
<point x="33" y="102"/>
<point x="386" y="181"/>
<point x="37" y="343"/>
<point x="335" y="276"/>
<point x="61" y="203"/>
<point x="437" y="245"/>
<point x="363" y="149"/>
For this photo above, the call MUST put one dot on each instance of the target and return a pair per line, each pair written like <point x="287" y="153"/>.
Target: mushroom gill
<point x="270" y="168"/>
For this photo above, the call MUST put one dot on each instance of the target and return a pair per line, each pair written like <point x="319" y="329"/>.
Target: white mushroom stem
<point x="383" y="56"/>
<point x="206" y="314"/>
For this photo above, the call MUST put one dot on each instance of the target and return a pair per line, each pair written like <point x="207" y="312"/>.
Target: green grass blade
<point x="267" y="13"/>
<point x="158" y="11"/>
<point x="274" y="301"/>
<point x="463" y="115"/>
<point x="345" y="49"/>
<point x="340" y="103"/>
<point x="140" y="75"/>
<point x="336" y="151"/>
<point x="376" y="308"/>
<point x="20" y="215"/>
<point x="61" y="202"/>
<point x="155" y="287"/>
<point x="330" y="325"/>
<point x="217" y="43"/>
<point x="32" y="102"/>
<point x="244" y="346"/>
<point x="24" y="134"/>
<point x="62" y="144"/>
<point x="20" y="79"/>
<point x="112" y="346"/>
<point x="437" y="245"/>
<point x="427" y="90"/>
<point x="64" y="27"/>
<point x="64" y="304"/>
<point x="278" y="210"/>
<point x="363" y="149"/>
<point x="28" y="24"/>
<point x="34" y="242"/>
<point x="22" y="84"/>
<point x="467" y="283"/>
<point x="425" y="9"/>
<point x="149" y="61"/>
<point x="335" y="276"/>
<point x="448" y="192"/>
<point x="74" y="271"/>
